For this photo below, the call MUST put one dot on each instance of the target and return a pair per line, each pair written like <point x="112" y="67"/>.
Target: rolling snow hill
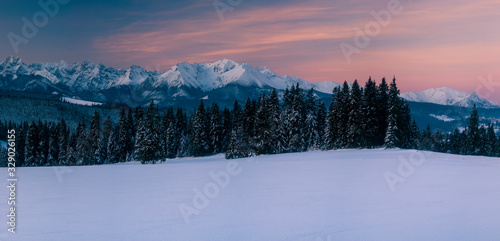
<point x="333" y="195"/>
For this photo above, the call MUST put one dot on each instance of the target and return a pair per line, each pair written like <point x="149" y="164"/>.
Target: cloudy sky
<point x="425" y="44"/>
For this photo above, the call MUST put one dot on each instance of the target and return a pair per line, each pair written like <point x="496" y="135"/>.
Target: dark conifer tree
<point x="94" y="138"/>
<point x="262" y="141"/>
<point x="32" y="149"/>
<point x="63" y="136"/>
<point x="473" y="137"/>
<point x="321" y="119"/>
<point x="82" y="147"/>
<point x="382" y="111"/>
<point x="355" y="117"/>
<point x="370" y="124"/>
<point x="491" y="142"/>
<point x="200" y="142"/>
<point x="238" y="146"/>
<point x="53" y="144"/>
<point x="226" y="127"/>
<point x="216" y="129"/>
<point x="332" y="121"/>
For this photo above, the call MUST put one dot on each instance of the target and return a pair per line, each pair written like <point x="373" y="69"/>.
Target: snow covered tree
<point x="382" y="111"/>
<point x="263" y="138"/>
<point x="238" y="146"/>
<point x="82" y="144"/>
<point x="332" y="121"/>
<point x="32" y="148"/>
<point x="226" y="127"/>
<point x="199" y="143"/>
<point x="170" y="137"/>
<point x="147" y="145"/>
<point x="44" y="137"/>
<point x="124" y="136"/>
<point x="370" y="125"/>
<point x="71" y="153"/>
<point x="94" y="138"/>
<point x="53" y="144"/>
<point x="491" y="142"/>
<point x="310" y="132"/>
<point x="355" y="117"/>
<point x="215" y="129"/>
<point x="321" y="120"/>
<point x="184" y="130"/>
<point x="390" y="137"/>
<point x="102" y="151"/>
<point x="473" y="137"/>
<point x="113" y="150"/>
<point x="63" y="136"/>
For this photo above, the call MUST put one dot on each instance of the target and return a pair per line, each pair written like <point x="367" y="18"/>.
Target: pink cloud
<point x="430" y="44"/>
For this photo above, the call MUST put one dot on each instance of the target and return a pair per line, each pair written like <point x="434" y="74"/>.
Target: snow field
<point x="332" y="195"/>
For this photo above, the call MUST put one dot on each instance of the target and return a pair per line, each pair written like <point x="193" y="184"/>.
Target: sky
<point x="425" y="44"/>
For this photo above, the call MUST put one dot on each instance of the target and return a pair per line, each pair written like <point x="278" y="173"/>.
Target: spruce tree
<point x="53" y="144"/>
<point x="263" y="137"/>
<point x="390" y="137"/>
<point x="473" y="137"/>
<point x="94" y="138"/>
<point x="63" y="136"/>
<point x="371" y="123"/>
<point x="215" y="132"/>
<point x="82" y="147"/>
<point x="321" y="120"/>
<point x="238" y="146"/>
<point x="311" y="135"/>
<point x="199" y="143"/>
<point x="492" y="141"/>
<point x="32" y="148"/>
<point x="355" y="117"/>
<point x="382" y="112"/>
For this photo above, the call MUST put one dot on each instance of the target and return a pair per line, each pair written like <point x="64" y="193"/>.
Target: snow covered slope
<point x="449" y="96"/>
<point x="334" y="195"/>
<point x="80" y="102"/>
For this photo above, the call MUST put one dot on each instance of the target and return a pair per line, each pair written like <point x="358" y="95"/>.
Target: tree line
<point x="372" y="116"/>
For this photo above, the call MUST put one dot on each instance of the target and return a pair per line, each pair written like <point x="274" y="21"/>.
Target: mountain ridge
<point x="221" y="79"/>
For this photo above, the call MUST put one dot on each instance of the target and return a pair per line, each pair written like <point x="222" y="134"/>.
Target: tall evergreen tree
<point x="238" y="145"/>
<point x="32" y="148"/>
<point x="370" y="125"/>
<point x="382" y="111"/>
<point x="215" y="129"/>
<point x="200" y="144"/>
<point x="94" y="138"/>
<point x="473" y="137"/>
<point x="355" y="117"/>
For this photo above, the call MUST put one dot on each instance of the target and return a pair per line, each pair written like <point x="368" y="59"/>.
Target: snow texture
<point x="333" y="195"/>
<point x="80" y="102"/>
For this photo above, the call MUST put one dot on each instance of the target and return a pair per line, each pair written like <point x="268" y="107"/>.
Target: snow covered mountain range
<point x="449" y="96"/>
<point x="224" y="79"/>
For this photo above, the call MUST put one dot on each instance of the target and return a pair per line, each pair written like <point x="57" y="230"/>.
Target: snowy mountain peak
<point x="98" y="82"/>
<point x="449" y="96"/>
